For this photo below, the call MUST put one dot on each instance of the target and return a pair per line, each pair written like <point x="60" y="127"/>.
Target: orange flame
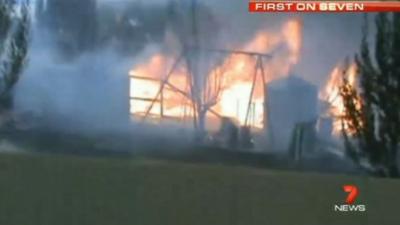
<point x="236" y="78"/>
<point x="331" y="94"/>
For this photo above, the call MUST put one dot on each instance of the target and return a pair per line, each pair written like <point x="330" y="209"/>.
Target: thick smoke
<point x="92" y="91"/>
<point x="88" y="91"/>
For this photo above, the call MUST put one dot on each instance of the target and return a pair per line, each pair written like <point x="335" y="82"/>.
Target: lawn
<point x="68" y="190"/>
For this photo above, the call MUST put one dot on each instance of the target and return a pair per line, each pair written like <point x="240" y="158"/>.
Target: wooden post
<point x="252" y="90"/>
<point x="161" y="101"/>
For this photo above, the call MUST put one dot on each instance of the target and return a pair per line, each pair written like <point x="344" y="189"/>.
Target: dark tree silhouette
<point x="372" y="110"/>
<point x="14" y="30"/>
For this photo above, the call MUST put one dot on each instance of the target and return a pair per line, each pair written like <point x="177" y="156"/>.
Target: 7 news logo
<point x="353" y="192"/>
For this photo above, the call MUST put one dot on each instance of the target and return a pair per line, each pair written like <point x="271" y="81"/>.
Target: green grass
<point x="48" y="190"/>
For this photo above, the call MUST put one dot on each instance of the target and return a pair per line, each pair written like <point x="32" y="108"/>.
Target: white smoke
<point x="91" y="91"/>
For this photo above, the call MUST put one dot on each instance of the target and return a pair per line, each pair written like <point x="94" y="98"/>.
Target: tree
<point x="14" y="29"/>
<point x="187" y="20"/>
<point x="138" y="25"/>
<point x="72" y="24"/>
<point x="372" y="110"/>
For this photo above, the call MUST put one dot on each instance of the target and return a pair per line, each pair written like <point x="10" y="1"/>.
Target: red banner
<point x="324" y="6"/>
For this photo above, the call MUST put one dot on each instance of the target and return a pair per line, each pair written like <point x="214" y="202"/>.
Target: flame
<point x="293" y="36"/>
<point x="331" y="94"/>
<point x="234" y="75"/>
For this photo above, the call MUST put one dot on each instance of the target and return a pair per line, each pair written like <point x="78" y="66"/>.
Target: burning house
<point x="232" y="85"/>
<point x="289" y="101"/>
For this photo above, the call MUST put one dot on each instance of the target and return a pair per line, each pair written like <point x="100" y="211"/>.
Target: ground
<point x="47" y="190"/>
